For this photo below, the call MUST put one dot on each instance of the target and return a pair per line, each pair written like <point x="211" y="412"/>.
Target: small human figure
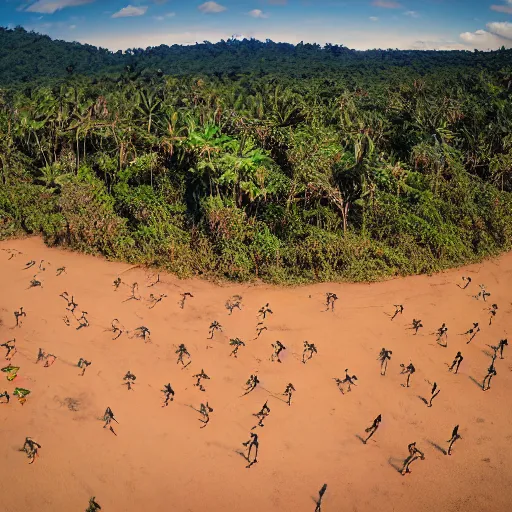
<point x="501" y="345"/>
<point x="5" y="395"/>
<point x="35" y="283"/>
<point x="30" y="447"/>
<point x="117" y="283"/>
<point x="416" y="325"/>
<point x="350" y="379"/>
<point x="264" y="311"/>
<point x="278" y="348"/>
<point x="456" y="362"/>
<point x="472" y="332"/>
<point x="330" y="299"/>
<point x="214" y="326"/>
<point x="414" y="454"/>
<point x="399" y="309"/>
<point x="184" y="298"/>
<point x="251" y="384"/>
<point x="21" y="394"/>
<point x="492" y="312"/>
<point x="19" y="314"/>
<point x="155" y="300"/>
<point x="82" y="321"/>
<point x="41" y="266"/>
<point x="11" y="348"/>
<point x="41" y="356"/>
<point x="169" y="394"/>
<point x="309" y="348"/>
<point x="455" y="436"/>
<point x="83" y="364"/>
<point x="93" y="506"/>
<point x="384" y="357"/>
<point x="261" y="415"/>
<point x="373" y="428"/>
<point x="236" y="343"/>
<point x="491" y="372"/>
<point x="234" y="302"/>
<point x="467" y="281"/>
<point x="288" y="392"/>
<point x="260" y="328"/>
<point x="205" y="411"/>
<point x="12" y="372"/>
<point x="434" y="393"/>
<point x="116" y="328"/>
<point x="250" y="444"/>
<point x="130" y="379"/>
<point x="442" y="332"/>
<point x="409" y="370"/>
<point x="182" y="351"/>
<point x="61" y="270"/>
<point x="135" y="293"/>
<point x="482" y="293"/>
<point x="144" y="333"/>
<point x="199" y="377"/>
<point x="30" y="264"/>
<point x="49" y="360"/>
<point x="66" y="320"/>
<point x="320" y="498"/>
<point x="72" y="305"/>
<point x="108" y="417"/>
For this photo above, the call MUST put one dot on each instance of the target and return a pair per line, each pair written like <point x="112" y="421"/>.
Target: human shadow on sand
<point x="424" y="400"/>
<point x="478" y="383"/>
<point x="396" y="464"/>
<point x="436" y="446"/>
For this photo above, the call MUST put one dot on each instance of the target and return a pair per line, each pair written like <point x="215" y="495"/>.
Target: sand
<point x="162" y="460"/>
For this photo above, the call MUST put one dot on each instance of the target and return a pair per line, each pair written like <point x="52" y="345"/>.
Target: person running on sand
<point x="234" y="302"/>
<point x="373" y="428"/>
<point x="82" y="321"/>
<point x="278" y="348"/>
<point x="30" y="264"/>
<point x="384" y="357"/>
<point x="5" y="395"/>
<point x="330" y="299"/>
<point x="414" y="454"/>
<point x="19" y="314"/>
<point x="288" y="392"/>
<point x="108" y="417"/>
<point x="117" y="283"/>
<point x="144" y="333"/>
<point x="184" y="298"/>
<point x="467" y="281"/>
<point x="264" y="311"/>
<point x="456" y="362"/>
<point x="260" y="328"/>
<point x="236" y="343"/>
<point x="251" y="384"/>
<point x="250" y="444"/>
<point x="182" y="351"/>
<point x="442" y="332"/>
<point x="492" y="311"/>
<point x="30" y="447"/>
<point x="35" y="283"/>
<point x="214" y="326"/>
<point x="155" y="300"/>
<point x="169" y="394"/>
<point x="205" y="411"/>
<point x="501" y="345"/>
<point x="130" y="379"/>
<point x="116" y="328"/>
<point x="434" y="393"/>
<point x="409" y="370"/>
<point x="83" y="364"/>
<point x="491" y="372"/>
<point x="309" y="348"/>
<point x="11" y="348"/>
<point x="93" y="506"/>
<point x="320" y="498"/>
<point x="60" y="270"/>
<point x="455" y="436"/>
<point x="399" y="309"/>
<point x="416" y="325"/>
<point x="200" y="376"/>
<point x="261" y="415"/>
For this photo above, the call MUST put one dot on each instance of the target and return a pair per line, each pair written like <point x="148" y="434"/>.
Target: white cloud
<point x="51" y="6"/>
<point x="498" y="34"/>
<point x="130" y="11"/>
<point x="412" y="14"/>
<point x="257" y="13"/>
<point x="72" y="27"/>
<point x="386" y="4"/>
<point x="507" y="9"/>
<point x="164" y="16"/>
<point x="211" y="8"/>
<point x="374" y="18"/>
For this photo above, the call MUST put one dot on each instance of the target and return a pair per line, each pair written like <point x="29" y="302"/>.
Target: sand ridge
<point x="161" y="460"/>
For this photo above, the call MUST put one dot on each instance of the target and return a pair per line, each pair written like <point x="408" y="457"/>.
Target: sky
<point x="359" y="24"/>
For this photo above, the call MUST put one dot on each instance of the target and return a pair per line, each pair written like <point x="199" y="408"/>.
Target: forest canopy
<point x="244" y="159"/>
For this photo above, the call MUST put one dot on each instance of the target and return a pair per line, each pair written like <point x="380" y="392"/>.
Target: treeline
<point x="385" y="172"/>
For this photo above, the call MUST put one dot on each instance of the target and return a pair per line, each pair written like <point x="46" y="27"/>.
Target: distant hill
<point x="28" y="56"/>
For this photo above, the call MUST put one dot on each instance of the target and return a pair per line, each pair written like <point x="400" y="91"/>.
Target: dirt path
<point x="161" y="460"/>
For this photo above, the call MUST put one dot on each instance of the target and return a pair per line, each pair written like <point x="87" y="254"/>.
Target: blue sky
<point x="361" y="24"/>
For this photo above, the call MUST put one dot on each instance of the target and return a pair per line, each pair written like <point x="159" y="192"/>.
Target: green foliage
<point x="248" y="160"/>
